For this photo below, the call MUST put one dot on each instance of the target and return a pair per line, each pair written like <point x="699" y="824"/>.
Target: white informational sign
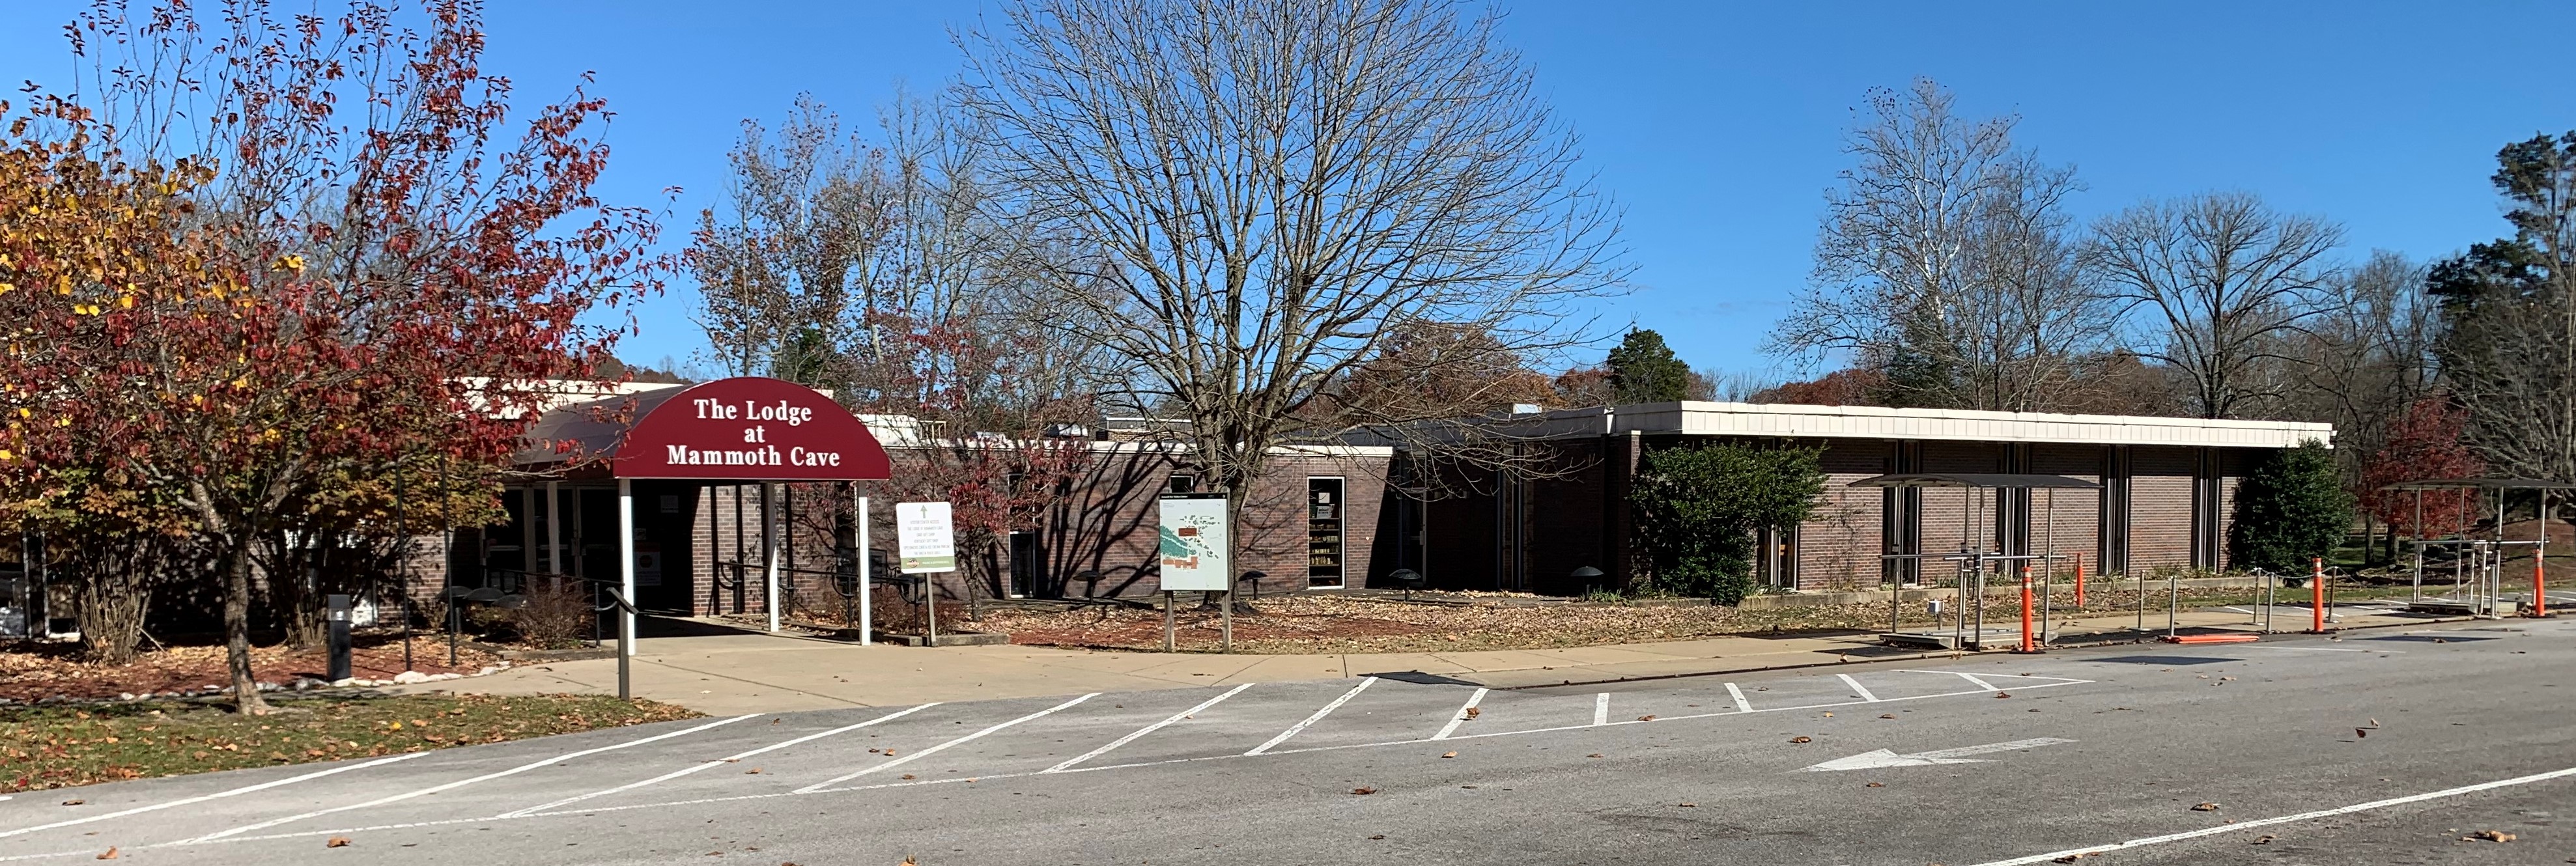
<point x="1194" y="543"/>
<point x="925" y="540"/>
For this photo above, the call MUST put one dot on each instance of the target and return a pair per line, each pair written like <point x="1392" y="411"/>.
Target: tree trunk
<point x="237" y="630"/>
<point x="294" y="584"/>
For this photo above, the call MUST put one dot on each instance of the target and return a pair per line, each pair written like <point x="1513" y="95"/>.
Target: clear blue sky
<point x="1717" y="125"/>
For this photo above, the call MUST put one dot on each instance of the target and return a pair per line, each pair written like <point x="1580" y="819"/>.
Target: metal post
<point x="1225" y="620"/>
<point x="2048" y="568"/>
<point x="2026" y="644"/>
<point x="2540" y="553"/>
<point x="625" y="572"/>
<point x="527" y="533"/>
<point x="338" y="614"/>
<point x="1167" y="620"/>
<point x="554" y="528"/>
<point x="2419" y="544"/>
<point x="769" y="547"/>
<point x="2317" y="593"/>
<point x="867" y="622"/>
<point x="2079" y="581"/>
<point x="2495" y="574"/>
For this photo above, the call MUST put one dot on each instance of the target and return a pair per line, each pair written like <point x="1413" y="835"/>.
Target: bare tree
<point x="2226" y="282"/>
<point x="1263" y="194"/>
<point x="2366" y="357"/>
<point x="1944" y="263"/>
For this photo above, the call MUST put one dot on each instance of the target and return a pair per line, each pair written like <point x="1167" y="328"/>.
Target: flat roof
<point x="1790" y="420"/>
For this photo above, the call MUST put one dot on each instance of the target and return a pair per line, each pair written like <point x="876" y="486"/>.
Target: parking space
<point x="839" y="751"/>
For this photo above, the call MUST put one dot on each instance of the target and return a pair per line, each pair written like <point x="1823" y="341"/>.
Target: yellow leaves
<point x="5" y="455"/>
<point x="6" y="288"/>
<point x="288" y="263"/>
<point x="126" y="302"/>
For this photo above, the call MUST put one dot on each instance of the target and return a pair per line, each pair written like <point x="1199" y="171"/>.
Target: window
<point x="1324" y="533"/>
<point x="1183" y="484"/>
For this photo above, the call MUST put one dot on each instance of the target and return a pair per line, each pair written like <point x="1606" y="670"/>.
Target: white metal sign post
<point x="1194" y="544"/>
<point x="867" y="620"/>
<point x="926" y="543"/>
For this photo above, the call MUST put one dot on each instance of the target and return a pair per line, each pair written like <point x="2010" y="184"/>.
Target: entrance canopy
<point x="750" y="428"/>
<point x="1991" y="480"/>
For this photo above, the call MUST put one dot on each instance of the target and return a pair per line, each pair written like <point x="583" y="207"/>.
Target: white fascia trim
<point x="1877" y="422"/>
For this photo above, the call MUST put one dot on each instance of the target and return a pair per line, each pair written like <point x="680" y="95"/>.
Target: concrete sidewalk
<point x="750" y="672"/>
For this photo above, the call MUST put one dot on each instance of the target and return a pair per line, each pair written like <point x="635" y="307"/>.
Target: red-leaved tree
<point x="392" y="270"/>
<point x="2425" y="444"/>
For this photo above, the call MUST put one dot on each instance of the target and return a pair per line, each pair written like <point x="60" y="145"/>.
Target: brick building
<point x="1309" y="523"/>
<point x="1327" y="517"/>
<point x="2168" y="487"/>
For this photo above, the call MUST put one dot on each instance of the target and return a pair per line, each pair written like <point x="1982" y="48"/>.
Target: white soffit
<point x="1878" y="422"/>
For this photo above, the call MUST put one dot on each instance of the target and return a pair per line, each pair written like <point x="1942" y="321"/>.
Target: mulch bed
<point x="38" y="671"/>
<point x="1327" y="623"/>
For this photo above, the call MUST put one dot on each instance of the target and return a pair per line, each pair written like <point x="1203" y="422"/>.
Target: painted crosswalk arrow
<point x="1878" y="758"/>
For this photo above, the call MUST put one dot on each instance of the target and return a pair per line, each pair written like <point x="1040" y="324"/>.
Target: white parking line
<point x="2313" y="649"/>
<point x="1317" y="717"/>
<point x="1601" y="708"/>
<point x="1741" y="705"/>
<point x="1089" y="769"/>
<point x="2072" y="854"/>
<point x="1973" y="679"/>
<point x="924" y="753"/>
<point x="1858" y="690"/>
<point x="1460" y="716"/>
<point x="718" y="762"/>
<point x="184" y="801"/>
<point x="1139" y="732"/>
<point x="433" y="789"/>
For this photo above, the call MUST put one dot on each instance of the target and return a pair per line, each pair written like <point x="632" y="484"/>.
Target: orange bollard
<point x="2317" y="590"/>
<point x="2027" y="644"/>
<point x="2539" y="585"/>
<point x="2079" y="581"/>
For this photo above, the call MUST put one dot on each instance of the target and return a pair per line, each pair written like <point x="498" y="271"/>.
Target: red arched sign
<point x="751" y="428"/>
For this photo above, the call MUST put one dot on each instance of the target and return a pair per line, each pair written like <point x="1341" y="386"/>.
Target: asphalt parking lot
<point x="1978" y="760"/>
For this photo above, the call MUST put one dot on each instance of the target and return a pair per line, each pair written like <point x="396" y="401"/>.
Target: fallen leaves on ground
<point x="1331" y="622"/>
<point x="109" y="854"/>
<point x="61" y="747"/>
<point x="2490" y="836"/>
<point x="1802" y="739"/>
<point x="1875" y="785"/>
<point x="1448" y="754"/>
<point x="31" y="671"/>
<point x="336" y="842"/>
<point x="1363" y="791"/>
<point x="2265" y="839"/>
<point x="2204" y="807"/>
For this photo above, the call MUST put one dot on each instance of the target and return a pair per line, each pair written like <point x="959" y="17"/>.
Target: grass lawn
<point x="63" y="746"/>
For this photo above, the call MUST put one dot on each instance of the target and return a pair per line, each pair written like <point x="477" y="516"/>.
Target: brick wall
<point x="2160" y="507"/>
<point x="2077" y="524"/>
<point x="1839" y="548"/>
